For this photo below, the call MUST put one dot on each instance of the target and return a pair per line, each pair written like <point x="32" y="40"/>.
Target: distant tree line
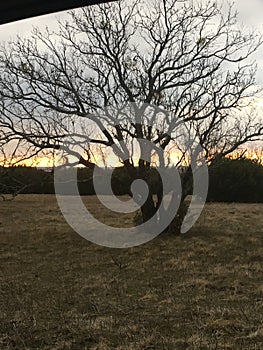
<point x="231" y="180"/>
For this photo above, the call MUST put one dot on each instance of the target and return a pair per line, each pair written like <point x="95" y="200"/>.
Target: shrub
<point x="236" y="180"/>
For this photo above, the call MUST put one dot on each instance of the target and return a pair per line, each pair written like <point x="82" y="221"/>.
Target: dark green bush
<point x="236" y="180"/>
<point x="23" y="179"/>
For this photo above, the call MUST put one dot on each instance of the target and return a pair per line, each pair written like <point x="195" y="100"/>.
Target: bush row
<point x="239" y="180"/>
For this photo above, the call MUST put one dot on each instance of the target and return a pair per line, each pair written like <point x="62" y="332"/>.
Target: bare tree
<point x="255" y="153"/>
<point x="137" y="71"/>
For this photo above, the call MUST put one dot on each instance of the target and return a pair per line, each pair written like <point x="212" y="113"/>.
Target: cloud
<point x="250" y="12"/>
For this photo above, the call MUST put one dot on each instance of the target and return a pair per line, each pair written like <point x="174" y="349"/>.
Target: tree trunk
<point x="148" y="209"/>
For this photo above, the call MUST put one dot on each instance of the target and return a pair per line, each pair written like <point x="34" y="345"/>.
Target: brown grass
<point x="202" y="290"/>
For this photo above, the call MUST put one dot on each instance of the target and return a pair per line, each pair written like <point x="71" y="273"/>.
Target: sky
<point x="250" y="14"/>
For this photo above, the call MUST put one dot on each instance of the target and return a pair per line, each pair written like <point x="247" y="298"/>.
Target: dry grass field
<point x="203" y="290"/>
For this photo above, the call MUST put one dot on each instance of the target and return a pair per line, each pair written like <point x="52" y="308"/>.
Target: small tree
<point x="137" y="71"/>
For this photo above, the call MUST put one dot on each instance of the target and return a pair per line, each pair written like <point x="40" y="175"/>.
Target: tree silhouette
<point x="133" y="70"/>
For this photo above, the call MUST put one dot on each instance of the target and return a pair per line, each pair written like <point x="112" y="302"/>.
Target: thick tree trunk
<point x="148" y="209"/>
<point x="176" y="224"/>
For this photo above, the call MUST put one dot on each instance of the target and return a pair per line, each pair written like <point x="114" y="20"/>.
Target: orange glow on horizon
<point x="111" y="160"/>
<point x="40" y="161"/>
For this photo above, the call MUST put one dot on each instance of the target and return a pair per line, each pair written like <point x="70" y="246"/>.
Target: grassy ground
<point x="203" y="290"/>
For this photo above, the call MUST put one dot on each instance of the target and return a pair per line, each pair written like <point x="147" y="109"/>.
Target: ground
<point x="203" y="290"/>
